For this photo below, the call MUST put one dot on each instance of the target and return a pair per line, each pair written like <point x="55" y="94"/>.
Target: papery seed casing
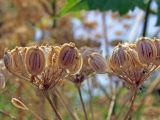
<point x="8" y="61"/>
<point x="97" y="63"/>
<point x="77" y="66"/>
<point x="18" y="64"/>
<point x="146" y="50"/>
<point x="53" y="56"/>
<point x="67" y="56"/>
<point x="34" y="60"/>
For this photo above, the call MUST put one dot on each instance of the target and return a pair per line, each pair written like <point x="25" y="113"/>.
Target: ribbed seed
<point x="157" y="44"/>
<point x="8" y="61"/>
<point x="67" y="56"/>
<point x="97" y="63"/>
<point x="120" y="58"/>
<point x="35" y="61"/>
<point x="146" y="50"/>
<point x="77" y="66"/>
<point x="53" y="56"/>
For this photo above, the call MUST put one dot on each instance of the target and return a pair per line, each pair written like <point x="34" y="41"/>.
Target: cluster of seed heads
<point x="135" y="62"/>
<point x="46" y="66"/>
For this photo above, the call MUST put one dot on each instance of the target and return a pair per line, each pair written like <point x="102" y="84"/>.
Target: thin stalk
<point x="53" y="106"/>
<point x="8" y="115"/>
<point x="74" y="117"/>
<point x="146" y="18"/>
<point x="111" y="107"/>
<point x="128" y="115"/>
<point x="90" y="99"/>
<point x="82" y="102"/>
<point x="35" y="115"/>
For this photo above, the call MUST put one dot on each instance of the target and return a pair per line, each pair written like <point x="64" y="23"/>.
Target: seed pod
<point x="18" y="65"/>
<point x="157" y="44"/>
<point x="18" y="104"/>
<point x="97" y="63"/>
<point x="134" y="58"/>
<point x="67" y="56"/>
<point x="53" y="56"/>
<point x="77" y="66"/>
<point x="34" y="60"/>
<point x="120" y="58"/>
<point x="2" y="81"/>
<point x="8" y="61"/>
<point x="146" y="50"/>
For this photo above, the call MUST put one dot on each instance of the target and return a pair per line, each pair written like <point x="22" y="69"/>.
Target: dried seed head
<point x="157" y="44"/>
<point x="34" y="60"/>
<point x="8" y="61"/>
<point x="97" y="63"/>
<point x="146" y="50"/>
<point x="120" y="58"/>
<point x="53" y="56"/>
<point x="2" y="81"/>
<point x="18" y="104"/>
<point x="77" y="66"/>
<point x="67" y="56"/>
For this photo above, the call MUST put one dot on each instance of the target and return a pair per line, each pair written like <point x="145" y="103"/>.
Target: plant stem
<point x="74" y="117"/>
<point x="8" y="115"/>
<point x="82" y="102"/>
<point x="111" y="107"/>
<point x="128" y="115"/>
<point x="146" y="18"/>
<point x="90" y="98"/>
<point x="52" y="105"/>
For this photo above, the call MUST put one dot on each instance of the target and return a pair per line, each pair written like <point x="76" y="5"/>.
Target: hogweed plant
<point x="47" y="66"/>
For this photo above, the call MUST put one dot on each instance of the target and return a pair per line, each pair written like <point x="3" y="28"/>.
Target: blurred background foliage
<point x="100" y="24"/>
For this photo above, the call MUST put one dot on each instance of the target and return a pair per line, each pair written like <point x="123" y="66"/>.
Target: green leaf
<point x="122" y="6"/>
<point x="74" y="6"/>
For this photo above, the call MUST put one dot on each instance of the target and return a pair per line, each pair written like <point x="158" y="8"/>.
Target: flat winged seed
<point x="77" y="66"/>
<point x="146" y="50"/>
<point x="120" y="58"/>
<point x="8" y="61"/>
<point x="53" y="56"/>
<point x="35" y="60"/>
<point x="157" y="44"/>
<point x="17" y="60"/>
<point x="67" y="56"/>
<point x="18" y="104"/>
<point x="2" y="81"/>
<point x="97" y="63"/>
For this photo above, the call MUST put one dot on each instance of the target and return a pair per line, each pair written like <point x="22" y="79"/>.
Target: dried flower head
<point x="8" y="61"/>
<point x="97" y="63"/>
<point x="18" y="104"/>
<point x="34" y="60"/>
<point x="146" y="50"/>
<point x="68" y="55"/>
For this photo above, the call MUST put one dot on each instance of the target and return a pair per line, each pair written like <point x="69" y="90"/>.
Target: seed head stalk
<point x="82" y="102"/>
<point x="46" y="94"/>
<point x="130" y="110"/>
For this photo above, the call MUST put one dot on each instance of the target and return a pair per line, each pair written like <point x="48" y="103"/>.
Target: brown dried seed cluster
<point x="44" y="66"/>
<point x="135" y="62"/>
